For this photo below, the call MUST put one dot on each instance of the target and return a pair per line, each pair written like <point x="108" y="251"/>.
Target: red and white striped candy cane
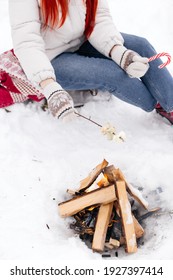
<point x="158" y="56"/>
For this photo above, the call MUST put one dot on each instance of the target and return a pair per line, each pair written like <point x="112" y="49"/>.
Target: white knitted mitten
<point x="60" y="103"/>
<point x="131" y="62"/>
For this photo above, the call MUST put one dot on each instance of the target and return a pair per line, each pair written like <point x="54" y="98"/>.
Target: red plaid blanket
<point x="14" y="85"/>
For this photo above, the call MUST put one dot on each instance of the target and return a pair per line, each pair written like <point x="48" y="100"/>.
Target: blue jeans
<point x="89" y="69"/>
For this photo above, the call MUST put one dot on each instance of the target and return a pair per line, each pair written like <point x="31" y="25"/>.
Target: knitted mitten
<point x="60" y="103"/>
<point x="131" y="62"/>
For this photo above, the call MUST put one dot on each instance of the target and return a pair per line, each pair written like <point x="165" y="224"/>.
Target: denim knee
<point x="144" y="46"/>
<point x="139" y="44"/>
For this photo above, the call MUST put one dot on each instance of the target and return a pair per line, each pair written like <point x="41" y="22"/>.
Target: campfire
<point x="102" y="210"/>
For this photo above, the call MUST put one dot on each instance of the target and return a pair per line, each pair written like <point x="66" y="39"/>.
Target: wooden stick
<point x="126" y="215"/>
<point x="139" y="231"/>
<point x="88" y="119"/>
<point x="72" y="192"/>
<point x="99" y="196"/>
<point x="115" y="174"/>
<point x="114" y="242"/>
<point x="132" y="191"/>
<point x="85" y="183"/>
<point x="101" y="227"/>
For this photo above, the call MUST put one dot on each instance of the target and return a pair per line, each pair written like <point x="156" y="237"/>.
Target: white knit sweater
<point x="35" y="47"/>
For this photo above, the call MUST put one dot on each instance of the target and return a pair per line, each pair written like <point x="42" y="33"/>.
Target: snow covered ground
<point x="40" y="158"/>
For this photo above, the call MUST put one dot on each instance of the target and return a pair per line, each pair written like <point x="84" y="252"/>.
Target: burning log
<point x="102" y="210"/>
<point x="99" y="196"/>
<point x="85" y="183"/>
<point x="103" y="182"/>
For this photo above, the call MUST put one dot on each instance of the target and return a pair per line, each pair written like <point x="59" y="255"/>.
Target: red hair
<point x="50" y="10"/>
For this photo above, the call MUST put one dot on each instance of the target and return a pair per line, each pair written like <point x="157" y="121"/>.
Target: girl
<point x="74" y="45"/>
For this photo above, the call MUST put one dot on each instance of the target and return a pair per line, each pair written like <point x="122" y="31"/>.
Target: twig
<point x="47" y="226"/>
<point x="148" y="214"/>
<point x="6" y="110"/>
<point x="164" y="213"/>
<point x="88" y="119"/>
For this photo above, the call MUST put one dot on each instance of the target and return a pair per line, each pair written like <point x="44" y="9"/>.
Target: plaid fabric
<point x="14" y="85"/>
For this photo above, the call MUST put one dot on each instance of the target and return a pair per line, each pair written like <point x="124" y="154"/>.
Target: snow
<point x="128" y="213"/>
<point x="40" y="158"/>
<point x="132" y="241"/>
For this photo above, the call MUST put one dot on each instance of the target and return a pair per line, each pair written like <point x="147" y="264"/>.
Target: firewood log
<point x="115" y="243"/>
<point x="99" y="196"/>
<point x="139" y="231"/>
<point x="85" y="183"/>
<point x="127" y="219"/>
<point x="114" y="174"/>
<point x="101" y="227"/>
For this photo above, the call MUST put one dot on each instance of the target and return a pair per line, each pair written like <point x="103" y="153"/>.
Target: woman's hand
<point x="60" y="103"/>
<point x="131" y="62"/>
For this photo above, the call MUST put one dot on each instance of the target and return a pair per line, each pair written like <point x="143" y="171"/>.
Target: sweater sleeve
<point x="105" y="34"/>
<point x="28" y="43"/>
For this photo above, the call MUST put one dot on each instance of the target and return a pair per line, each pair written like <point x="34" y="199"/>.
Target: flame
<point x="92" y="207"/>
<point x="103" y="182"/>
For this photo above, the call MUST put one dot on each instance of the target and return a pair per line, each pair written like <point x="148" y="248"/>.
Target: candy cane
<point x="158" y="56"/>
